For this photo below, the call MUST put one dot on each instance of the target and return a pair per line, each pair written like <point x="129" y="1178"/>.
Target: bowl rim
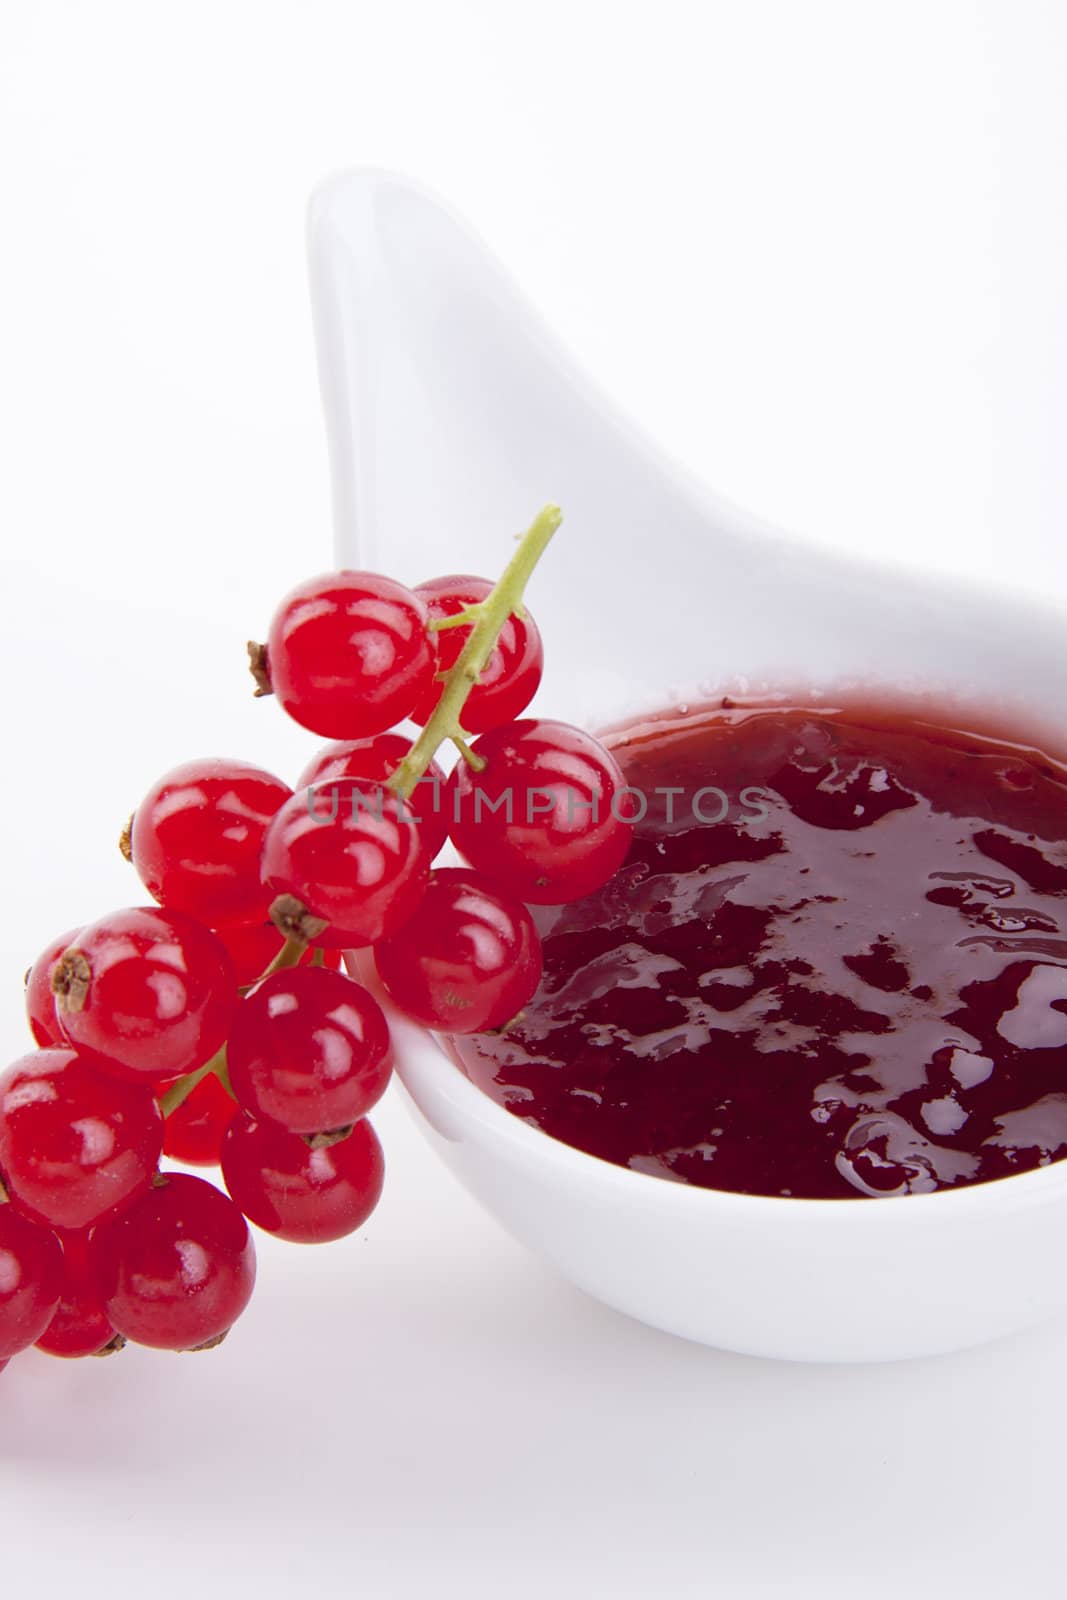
<point x="426" y="1069"/>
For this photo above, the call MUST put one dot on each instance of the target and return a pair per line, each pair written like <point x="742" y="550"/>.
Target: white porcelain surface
<point x="452" y="415"/>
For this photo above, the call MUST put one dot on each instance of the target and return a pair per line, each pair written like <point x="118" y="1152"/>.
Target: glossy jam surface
<point x="853" y="984"/>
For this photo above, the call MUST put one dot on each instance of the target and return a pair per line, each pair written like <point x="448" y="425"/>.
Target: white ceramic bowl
<point x="452" y="415"/>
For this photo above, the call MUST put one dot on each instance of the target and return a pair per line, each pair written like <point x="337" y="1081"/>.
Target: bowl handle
<point x="453" y="413"/>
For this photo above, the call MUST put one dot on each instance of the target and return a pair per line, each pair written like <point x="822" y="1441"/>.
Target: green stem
<point x="489" y="616"/>
<point x="485" y="620"/>
<point x="471" y="757"/>
<point x="459" y="619"/>
<point x="288" y="956"/>
<point x="179" y="1092"/>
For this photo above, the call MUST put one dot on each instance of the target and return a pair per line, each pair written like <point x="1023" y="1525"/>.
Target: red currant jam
<point x="833" y="965"/>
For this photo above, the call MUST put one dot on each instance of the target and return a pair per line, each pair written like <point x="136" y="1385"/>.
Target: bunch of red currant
<point x="216" y="1026"/>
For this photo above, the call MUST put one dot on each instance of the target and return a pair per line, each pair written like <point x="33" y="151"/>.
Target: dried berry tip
<point x="70" y="980"/>
<point x="259" y="667"/>
<point x="126" y="839"/>
<point x="293" y="919"/>
<point x="208" y="1344"/>
<point x="323" y="1141"/>
<point x="112" y="1347"/>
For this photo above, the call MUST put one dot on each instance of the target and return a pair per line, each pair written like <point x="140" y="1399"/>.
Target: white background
<point x="819" y="250"/>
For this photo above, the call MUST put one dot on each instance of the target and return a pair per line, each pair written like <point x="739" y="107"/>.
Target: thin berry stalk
<point x="489" y="616"/>
<point x="179" y="1092"/>
<point x="288" y="956"/>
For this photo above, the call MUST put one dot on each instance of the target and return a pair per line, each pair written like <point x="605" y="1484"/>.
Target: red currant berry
<point x="176" y="1271"/>
<point x="373" y="761"/>
<point x="362" y="871"/>
<point x="512" y="674"/>
<point x="40" y="1002"/>
<point x="31" y="1272"/>
<point x="197" y="836"/>
<point x="467" y="960"/>
<point x="252" y="946"/>
<point x="349" y="654"/>
<point x="549" y="818"/>
<point x="193" y="1131"/>
<point x="310" y="1050"/>
<point x="79" y="1326"/>
<point x="75" y="1144"/>
<point x="148" y="992"/>
<point x="303" y="1195"/>
<point x="4" y="1363"/>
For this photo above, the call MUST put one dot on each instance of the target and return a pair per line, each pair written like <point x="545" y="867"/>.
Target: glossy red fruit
<point x="511" y="675"/>
<point x="467" y="960"/>
<point x="150" y="992"/>
<point x="363" y="870"/>
<point x="253" y="946"/>
<point x="31" y="1270"/>
<point x="75" y="1144"/>
<point x="197" y="835"/>
<point x="310" y="1050"/>
<point x="40" y="1002"/>
<point x="349" y="654"/>
<point x="549" y="818"/>
<point x="373" y="761"/>
<point x="303" y="1195"/>
<point x="176" y="1271"/>
<point x="193" y="1131"/>
<point x="79" y="1326"/>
